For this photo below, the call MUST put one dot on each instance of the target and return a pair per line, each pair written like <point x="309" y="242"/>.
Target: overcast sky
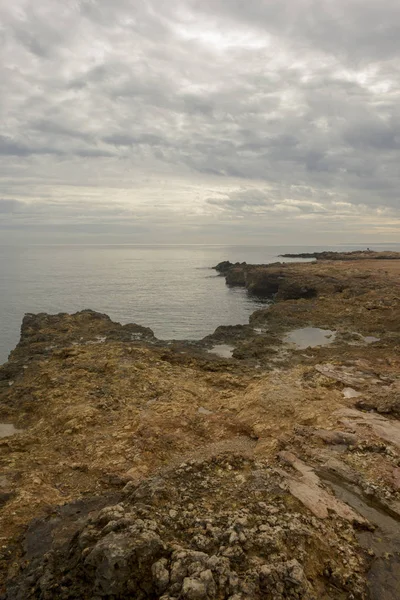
<point x="199" y="121"/>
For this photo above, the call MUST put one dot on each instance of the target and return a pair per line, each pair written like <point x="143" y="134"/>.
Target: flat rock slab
<point x="330" y="437"/>
<point x="306" y="487"/>
<point x="339" y="469"/>
<point x="350" y="376"/>
<point x="387" y="430"/>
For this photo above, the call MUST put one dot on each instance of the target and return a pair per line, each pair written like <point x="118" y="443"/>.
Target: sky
<point x="200" y="121"/>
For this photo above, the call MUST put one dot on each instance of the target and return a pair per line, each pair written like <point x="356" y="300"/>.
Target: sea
<point x="171" y="289"/>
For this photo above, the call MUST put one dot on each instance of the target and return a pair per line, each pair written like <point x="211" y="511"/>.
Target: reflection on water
<point x="309" y="337"/>
<point x="370" y="339"/>
<point x="223" y="350"/>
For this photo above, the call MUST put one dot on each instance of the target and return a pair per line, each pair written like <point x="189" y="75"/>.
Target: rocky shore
<point x="354" y="255"/>
<point x="260" y="462"/>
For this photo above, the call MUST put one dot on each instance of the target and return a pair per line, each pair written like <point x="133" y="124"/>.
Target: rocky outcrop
<point x="228" y="334"/>
<point x="236" y="276"/>
<point x="225" y="266"/>
<point x="235" y="478"/>
<point x="294" y="281"/>
<point x="386" y="401"/>
<point x="214" y="529"/>
<point x="41" y="333"/>
<point x="281" y="281"/>
<point x="354" y="255"/>
<point x="270" y="281"/>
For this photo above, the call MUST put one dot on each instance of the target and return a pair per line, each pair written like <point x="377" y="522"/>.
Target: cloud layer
<point x="218" y="120"/>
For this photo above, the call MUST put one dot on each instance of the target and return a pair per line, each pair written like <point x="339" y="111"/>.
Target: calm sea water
<point x="168" y="288"/>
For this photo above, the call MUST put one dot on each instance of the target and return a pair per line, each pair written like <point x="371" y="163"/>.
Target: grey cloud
<point x="32" y="43"/>
<point x="267" y="96"/>
<point x="360" y="30"/>
<point x="92" y="152"/>
<point x="10" y="147"/>
<point x="258" y="202"/>
<point x="241" y="199"/>
<point x="122" y="139"/>
<point x="272" y="204"/>
<point x="58" y="129"/>
<point x="240" y="203"/>
<point x="375" y="134"/>
<point x="10" y="206"/>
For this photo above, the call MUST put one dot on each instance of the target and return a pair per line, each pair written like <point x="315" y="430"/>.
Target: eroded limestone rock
<point x="381" y="426"/>
<point x="218" y="529"/>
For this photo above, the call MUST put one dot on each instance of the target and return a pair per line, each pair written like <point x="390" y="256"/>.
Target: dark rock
<point x="294" y="291"/>
<point x="229" y="334"/>
<point x="225" y="266"/>
<point x="236" y="276"/>
<point x="285" y="281"/>
<point x="5" y="496"/>
<point x="383" y="401"/>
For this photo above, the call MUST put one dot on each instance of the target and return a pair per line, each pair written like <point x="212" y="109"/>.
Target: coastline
<point x="105" y="408"/>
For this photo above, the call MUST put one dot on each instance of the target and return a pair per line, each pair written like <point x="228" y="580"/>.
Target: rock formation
<point x="153" y="470"/>
<point x="354" y="255"/>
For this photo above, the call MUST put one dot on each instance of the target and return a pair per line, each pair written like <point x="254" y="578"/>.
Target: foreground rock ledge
<point x="221" y="528"/>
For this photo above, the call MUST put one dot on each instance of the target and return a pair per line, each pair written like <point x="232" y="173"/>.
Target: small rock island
<point x="148" y="469"/>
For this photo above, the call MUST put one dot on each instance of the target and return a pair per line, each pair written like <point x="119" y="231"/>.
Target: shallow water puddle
<point x="223" y="350"/>
<point x="309" y="337"/>
<point x="7" y="429"/>
<point x="370" y="339"/>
